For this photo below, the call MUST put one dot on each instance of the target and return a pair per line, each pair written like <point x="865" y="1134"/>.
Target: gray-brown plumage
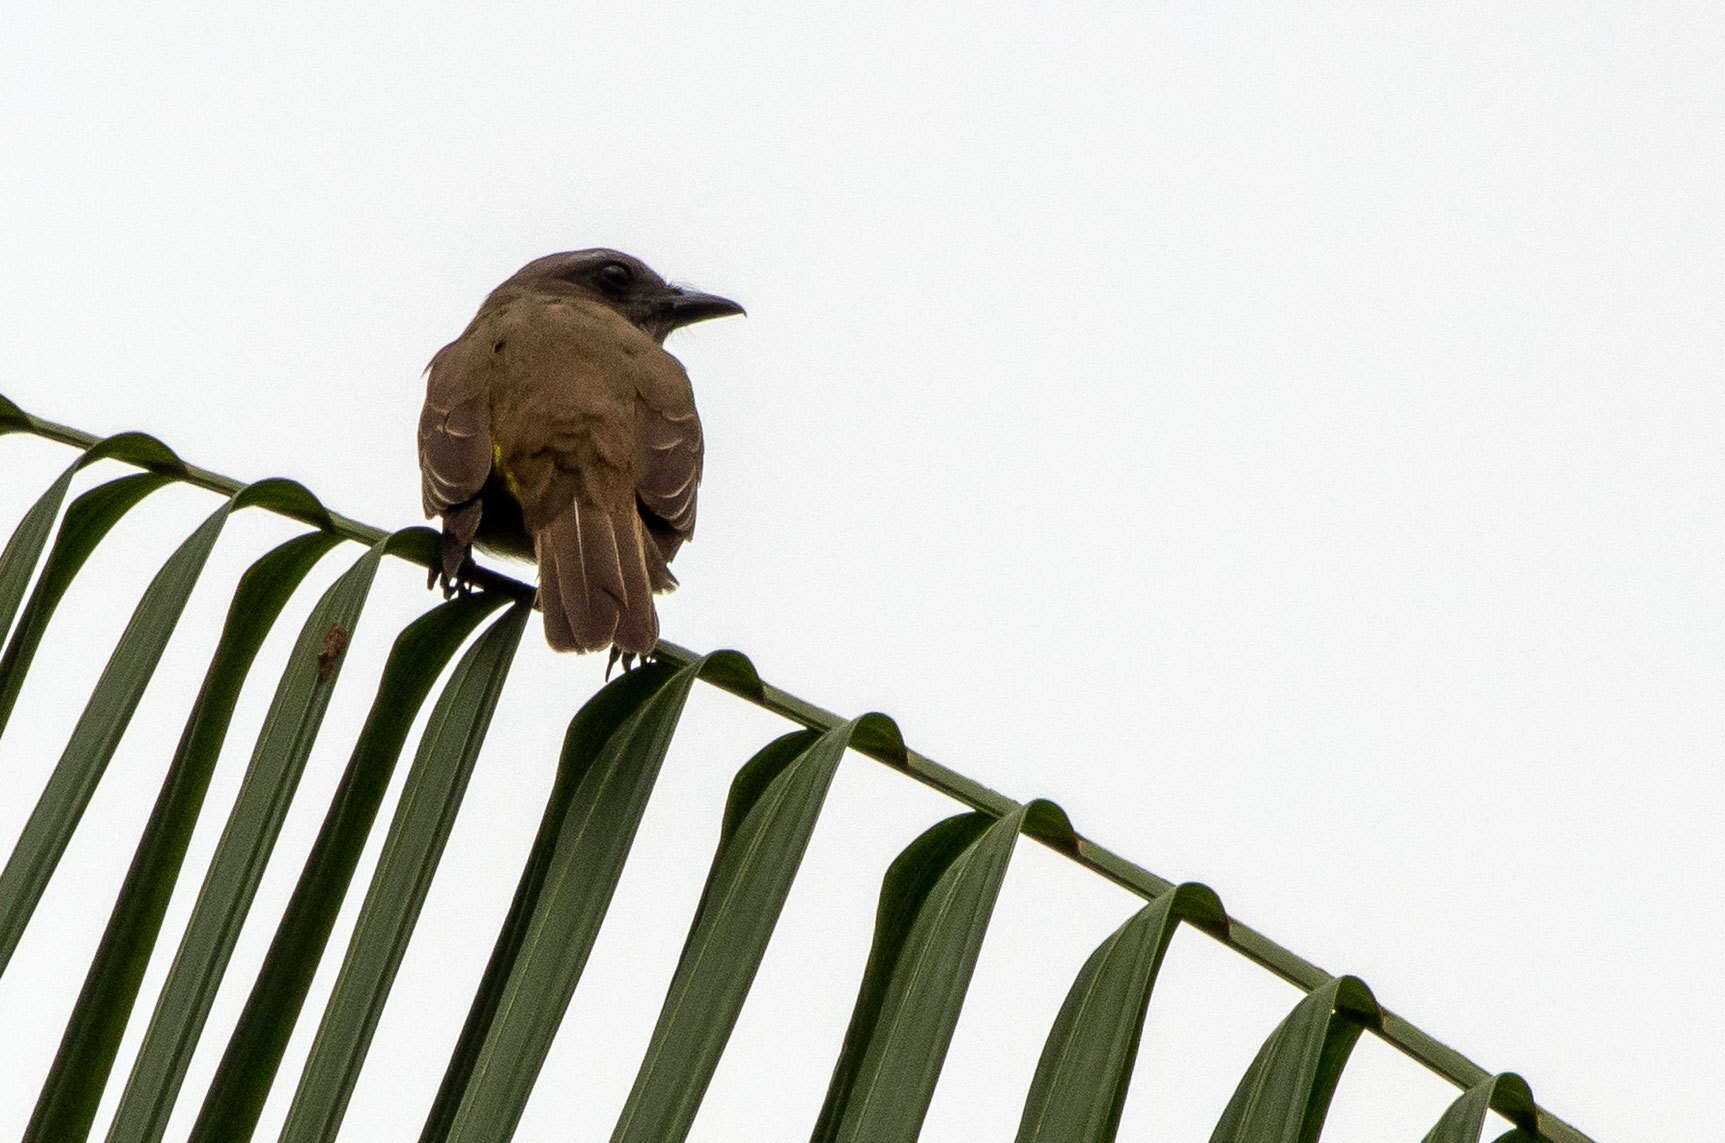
<point x="557" y="429"/>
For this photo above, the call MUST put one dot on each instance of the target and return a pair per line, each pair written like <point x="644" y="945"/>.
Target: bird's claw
<point x="628" y="658"/>
<point x="456" y="571"/>
<point x="459" y="584"/>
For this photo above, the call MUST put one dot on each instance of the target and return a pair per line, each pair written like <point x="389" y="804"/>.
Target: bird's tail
<point x="596" y="578"/>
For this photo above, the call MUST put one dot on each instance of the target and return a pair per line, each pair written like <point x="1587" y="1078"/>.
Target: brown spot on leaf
<point x="334" y="646"/>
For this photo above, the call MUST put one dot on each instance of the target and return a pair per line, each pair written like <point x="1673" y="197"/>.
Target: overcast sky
<point x="1287" y="436"/>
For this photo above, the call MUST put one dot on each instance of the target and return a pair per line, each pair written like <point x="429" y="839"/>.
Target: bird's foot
<point x="627" y="658"/>
<point x="456" y="571"/>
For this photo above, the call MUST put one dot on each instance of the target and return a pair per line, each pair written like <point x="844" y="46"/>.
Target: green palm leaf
<point x="1080" y="1084"/>
<point x="1463" y="1122"/>
<point x="289" y="729"/>
<point x="248" y="1067"/>
<point x="110" y="708"/>
<point x="1285" y="1094"/>
<point x="416" y="838"/>
<point x="769" y="818"/>
<point x="90" y="518"/>
<point x="586" y="860"/>
<point x="936" y="902"/>
<point x="74" y="1088"/>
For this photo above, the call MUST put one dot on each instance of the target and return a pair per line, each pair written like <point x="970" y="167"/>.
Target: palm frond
<point x="936" y="900"/>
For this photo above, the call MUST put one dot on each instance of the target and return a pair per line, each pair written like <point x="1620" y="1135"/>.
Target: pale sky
<point x="1287" y="436"/>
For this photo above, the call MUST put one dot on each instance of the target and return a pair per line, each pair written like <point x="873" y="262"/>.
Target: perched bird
<point x="557" y="429"/>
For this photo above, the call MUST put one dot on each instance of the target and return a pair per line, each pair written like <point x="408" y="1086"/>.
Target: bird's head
<point x="626" y="284"/>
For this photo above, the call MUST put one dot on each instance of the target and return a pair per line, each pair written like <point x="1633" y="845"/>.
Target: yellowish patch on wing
<point x="508" y="477"/>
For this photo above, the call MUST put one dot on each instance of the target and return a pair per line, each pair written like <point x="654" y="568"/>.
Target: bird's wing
<point x="455" y="426"/>
<point x="671" y="448"/>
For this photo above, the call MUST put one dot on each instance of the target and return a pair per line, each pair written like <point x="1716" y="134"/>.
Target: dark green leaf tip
<point x="878" y="736"/>
<point x="730" y="671"/>
<point x="289" y="498"/>
<point x="1512" y="1098"/>
<point x="1354" y="1000"/>
<point x="1197" y="904"/>
<point x="418" y="543"/>
<point x="1047" y="822"/>
<point x="140" y="449"/>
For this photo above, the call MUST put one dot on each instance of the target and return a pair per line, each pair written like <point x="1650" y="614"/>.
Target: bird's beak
<point x="687" y="307"/>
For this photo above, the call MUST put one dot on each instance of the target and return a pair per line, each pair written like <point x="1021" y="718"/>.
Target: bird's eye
<point x="614" y="275"/>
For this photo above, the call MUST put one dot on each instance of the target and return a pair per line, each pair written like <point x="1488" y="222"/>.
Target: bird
<point x="557" y="429"/>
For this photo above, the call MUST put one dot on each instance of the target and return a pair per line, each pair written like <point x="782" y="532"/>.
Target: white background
<point x="1288" y="436"/>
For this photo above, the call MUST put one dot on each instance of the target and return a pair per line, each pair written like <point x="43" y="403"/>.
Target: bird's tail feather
<point x="595" y="582"/>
